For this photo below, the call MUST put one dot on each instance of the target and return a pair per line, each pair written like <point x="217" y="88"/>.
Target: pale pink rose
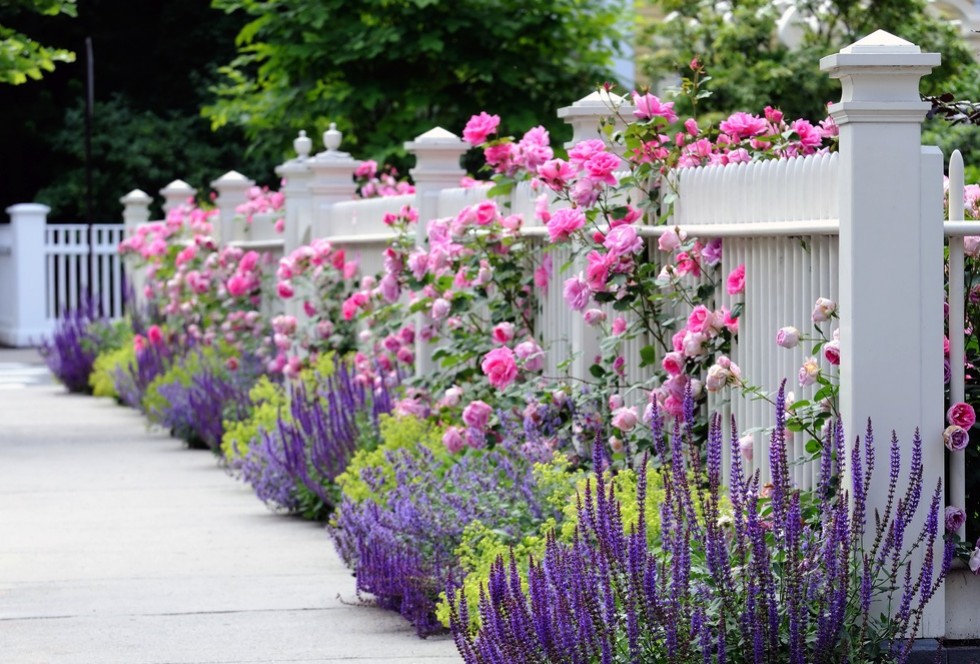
<point x="622" y="241"/>
<point x="615" y="401"/>
<point x="477" y="414"/>
<point x="625" y="419"/>
<point x="809" y="372"/>
<point x="736" y="280"/>
<point x="746" y="445"/>
<point x="788" y="337"/>
<point x="823" y="310"/>
<point x="594" y="316"/>
<point x="577" y="293"/>
<point x="480" y="127"/>
<point x="453" y="439"/>
<point x="694" y="343"/>
<point x="564" y="222"/>
<point x="971" y="246"/>
<point x="962" y="415"/>
<point x="671" y="239"/>
<point x="530" y="353"/>
<point x="831" y="352"/>
<point x="500" y="367"/>
<point x="452" y="396"/>
<point x="503" y="332"/>
<point x="440" y="308"/>
<point x="673" y="363"/>
<point x="718" y="376"/>
<point x="616" y="444"/>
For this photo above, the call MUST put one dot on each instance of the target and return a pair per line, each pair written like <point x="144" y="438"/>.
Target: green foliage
<point x="396" y="433"/>
<point x="751" y="68"/>
<point x="21" y="57"/>
<point x="267" y="399"/>
<point x="388" y="70"/>
<point x="103" y="375"/>
<point x="153" y="146"/>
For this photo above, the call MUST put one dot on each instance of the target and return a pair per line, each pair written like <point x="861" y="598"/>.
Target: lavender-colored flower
<point x="71" y="350"/>
<point x="956" y="438"/>
<point x="954" y="518"/>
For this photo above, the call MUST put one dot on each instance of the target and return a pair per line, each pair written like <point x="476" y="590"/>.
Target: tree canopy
<point x="21" y="57"/>
<point x="388" y="70"/>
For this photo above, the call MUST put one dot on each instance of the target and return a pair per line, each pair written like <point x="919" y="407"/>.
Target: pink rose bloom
<point x="453" y="440"/>
<point x="503" y="332"/>
<point x="154" y="335"/>
<point x="594" y="316"/>
<point x="405" y="355"/>
<point x="649" y="106"/>
<point x="677" y="341"/>
<point x="788" y="337"/>
<point x="619" y="325"/>
<point x="486" y="212"/>
<point x="729" y="321"/>
<point x="700" y="319"/>
<point x="534" y="148"/>
<point x="691" y="127"/>
<point x="624" y="419"/>
<point x="600" y="167"/>
<point x="831" y="352"/>
<point x="280" y="225"/>
<point x="971" y="245"/>
<point x="809" y="135"/>
<point x="349" y="308"/>
<point x="500" y="367"/>
<point x="597" y="270"/>
<point x="477" y="414"/>
<point x="285" y="289"/>
<point x="823" y="310"/>
<point x="582" y="151"/>
<point x="746" y="445"/>
<point x="622" y="241"/>
<point x="577" y="293"/>
<point x="585" y="192"/>
<point x="237" y="285"/>
<point x="975" y="560"/>
<point x="673" y="363"/>
<point x="501" y="156"/>
<point x="742" y="125"/>
<point x="956" y="438"/>
<point x="962" y="415"/>
<point x="389" y="288"/>
<point x="440" y="308"/>
<point x="694" y="343"/>
<point x="736" y="280"/>
<point x="564" y="222"/>
<point x="687" y="264"/>
<point x="480" y="127"/>
<point x="671" y="239"/>
<point x="674" y="406"/>
<point x="954" y="518"/>
<point x="530" y="353"/>
<point x="556" y="173"/>
<point x="809" y="372"/>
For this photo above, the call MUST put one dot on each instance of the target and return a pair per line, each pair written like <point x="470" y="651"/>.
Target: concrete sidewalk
<point x="117" y="545"/>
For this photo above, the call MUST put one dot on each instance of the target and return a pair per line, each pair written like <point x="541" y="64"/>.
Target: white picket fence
<point x="47" y="267"/>
<point x="862" y="227"/>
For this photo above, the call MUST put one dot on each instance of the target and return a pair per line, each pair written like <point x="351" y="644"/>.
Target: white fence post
<point x="136" y="212"/>
<point x="891" y="265"/>
<point x="231" y="188"/>
<point x="176" y="194"/>
<point x="333" y="179"/>
<point x="28" y="321"/>
<point x="437" y="153"/>
<point x="299" y="204"/>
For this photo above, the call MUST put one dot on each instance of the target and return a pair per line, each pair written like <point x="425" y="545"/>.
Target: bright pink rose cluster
<point x="261" y="200"/>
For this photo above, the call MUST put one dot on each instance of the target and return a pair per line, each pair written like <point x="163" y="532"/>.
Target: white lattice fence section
<point x="71" y="271"/>
<point x="779" y="219"/>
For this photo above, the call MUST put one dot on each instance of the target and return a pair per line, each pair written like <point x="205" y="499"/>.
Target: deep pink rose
<point x="154" y="335"/>
<point x="500" y="367"/>
<point x="480" y="127"/>
<point x="736" y="280"/>
<point x="237" y="285"/>
<point x="649" y="106"/>
<point x="673" y="363"/>
<point x="285" y="289"/>
<point x="962" y="415"/>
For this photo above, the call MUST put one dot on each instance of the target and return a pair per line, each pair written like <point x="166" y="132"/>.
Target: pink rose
<point x="788" y="337"/>
<point x="500" y="367"/>
<point x="962" y="415"/>
<point x="453" y="439"/>
<point x="556" y="173"/>
<point x="154" y="335"/>
<point x="622" y="241"/>
<point x="285" y="289"/>
<point x="700" y="319"/>
<point x="809" y="372"/>
<point x="954" y="518"/>
<point x="742" y="125"/>
<point x="746" y="445"/>
<point x="649" y="106"/>
<point x="237" y="285"/>
<point x="831" y="352"/>
<point x="440" y="308"/>
<point x="577" y="293"/>
<point x="673" y="363"/>
<point x="503" y="332"/>
<point x="736" y="280"/>
<point x="530" y="353"/>
<point x="477" y="414"/>
<point x="624" y="419"/>
<point x="564" y="222"/>
<point x="823" y="310"/>
<point x="619" y="326"/>
<point x="956" y="438"/>
<point x="480" y="127"/>
<point x="671" y="239"/>
<point x="594" y="316"/>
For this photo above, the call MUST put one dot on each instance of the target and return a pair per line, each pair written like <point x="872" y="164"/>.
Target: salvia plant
<point x="71" y="350"/>
<point x="773" y="574"/>
<point x="402" y="544"/>
<point x="315" y="439"/>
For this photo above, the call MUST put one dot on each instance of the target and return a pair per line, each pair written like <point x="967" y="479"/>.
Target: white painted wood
<point x="957" y="321"/>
